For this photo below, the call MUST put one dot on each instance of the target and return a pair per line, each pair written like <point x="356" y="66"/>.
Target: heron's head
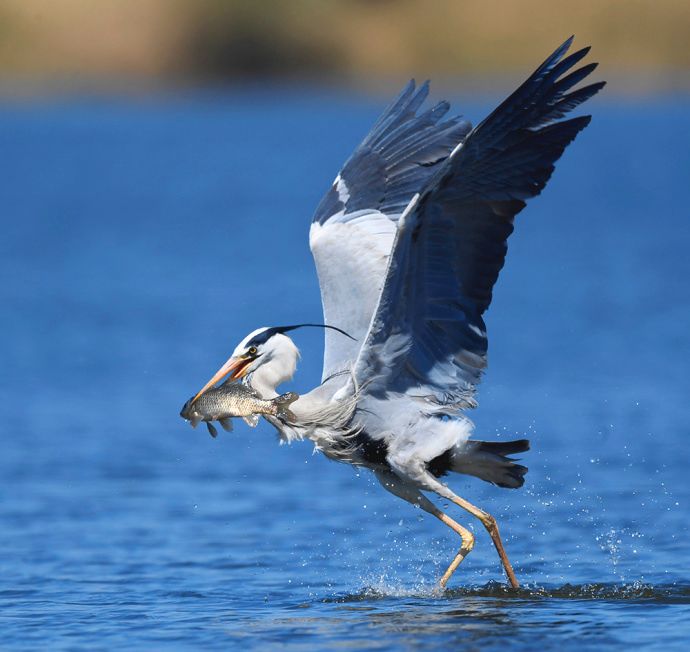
<point x="267" y="354"/>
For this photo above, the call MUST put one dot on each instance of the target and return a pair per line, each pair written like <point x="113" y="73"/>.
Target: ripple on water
<point x="664" y="593"/>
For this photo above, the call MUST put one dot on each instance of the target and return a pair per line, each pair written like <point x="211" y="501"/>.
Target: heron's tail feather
<point x="503" y="448"/>
<point x="489" y="461"/>
<point x="283" y="403"/>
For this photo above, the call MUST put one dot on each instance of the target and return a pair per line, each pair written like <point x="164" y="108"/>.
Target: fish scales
<point x="233" y="399"/>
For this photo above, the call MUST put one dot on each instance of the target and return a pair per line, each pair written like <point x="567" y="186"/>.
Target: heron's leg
<point x="411" y="494"/>
<point x="488" y="521"/>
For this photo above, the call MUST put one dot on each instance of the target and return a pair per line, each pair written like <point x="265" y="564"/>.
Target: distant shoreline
<point x="72" y="45"/>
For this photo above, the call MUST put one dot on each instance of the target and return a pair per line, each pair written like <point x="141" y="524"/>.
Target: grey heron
<point x="408" y="244"/>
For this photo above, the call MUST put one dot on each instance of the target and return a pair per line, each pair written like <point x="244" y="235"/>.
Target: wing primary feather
<point x="427" y="337"/>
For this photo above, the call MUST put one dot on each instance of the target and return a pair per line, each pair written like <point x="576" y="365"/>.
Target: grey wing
<point x="354" y="226"/>
<point x="428" y="338"/>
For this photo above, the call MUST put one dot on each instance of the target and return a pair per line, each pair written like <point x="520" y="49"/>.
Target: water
<point x="141" y="239"/>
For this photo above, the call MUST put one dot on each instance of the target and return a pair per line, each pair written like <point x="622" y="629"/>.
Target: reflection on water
<point x="488" y="616"/>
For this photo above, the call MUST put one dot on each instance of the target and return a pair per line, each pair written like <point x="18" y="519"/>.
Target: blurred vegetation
<point x="102" y="41"/>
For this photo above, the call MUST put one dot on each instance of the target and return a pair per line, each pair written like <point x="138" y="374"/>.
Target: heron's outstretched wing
<point x="428" y="338"/>
<point x="354" y="226"/>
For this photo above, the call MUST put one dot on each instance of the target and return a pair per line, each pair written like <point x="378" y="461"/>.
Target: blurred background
<point x="160" y="163"/>
<point x="80" y="43"/>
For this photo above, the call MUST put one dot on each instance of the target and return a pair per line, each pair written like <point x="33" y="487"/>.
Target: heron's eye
<point x="252" y="350"/>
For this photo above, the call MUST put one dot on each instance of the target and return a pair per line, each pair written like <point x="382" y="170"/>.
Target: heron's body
<point x="408" y="244"/>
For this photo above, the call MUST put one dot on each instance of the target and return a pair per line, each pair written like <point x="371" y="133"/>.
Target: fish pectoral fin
<point x="211" y="429"/>
<point x="226" y="424"/>
<point x="194" y="420"/>
<point x="251" y="420"/>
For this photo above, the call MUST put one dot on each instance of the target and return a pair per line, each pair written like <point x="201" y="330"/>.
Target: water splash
<point x="616" y="542"/>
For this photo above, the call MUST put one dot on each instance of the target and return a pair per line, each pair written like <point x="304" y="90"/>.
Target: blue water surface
<point x="143" y="238"/>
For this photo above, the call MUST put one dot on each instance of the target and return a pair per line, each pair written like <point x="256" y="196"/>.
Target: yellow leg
<point x="491" y="526"/>
<point x="467" y="544"/>
<point x="411" y="494"/>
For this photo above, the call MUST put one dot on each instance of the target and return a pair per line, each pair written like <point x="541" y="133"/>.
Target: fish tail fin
<point x="283" y="402"/>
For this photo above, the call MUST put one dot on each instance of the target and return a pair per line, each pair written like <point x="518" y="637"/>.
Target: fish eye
<point x="252" y="350"/>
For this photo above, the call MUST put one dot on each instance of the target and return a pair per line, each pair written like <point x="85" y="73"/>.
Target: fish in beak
<point x="237" y="367"/>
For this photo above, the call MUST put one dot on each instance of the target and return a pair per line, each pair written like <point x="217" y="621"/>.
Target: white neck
<point x="277" y="367"/>
<point x="265" y="381"/>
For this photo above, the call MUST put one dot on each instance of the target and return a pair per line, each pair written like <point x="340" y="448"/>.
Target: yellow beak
<point x="237" y="367"/>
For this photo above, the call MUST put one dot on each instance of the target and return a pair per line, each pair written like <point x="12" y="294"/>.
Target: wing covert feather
<point x="354" y="225"/>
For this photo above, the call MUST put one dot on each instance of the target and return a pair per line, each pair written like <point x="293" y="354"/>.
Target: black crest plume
<point x="264" y="336"/>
